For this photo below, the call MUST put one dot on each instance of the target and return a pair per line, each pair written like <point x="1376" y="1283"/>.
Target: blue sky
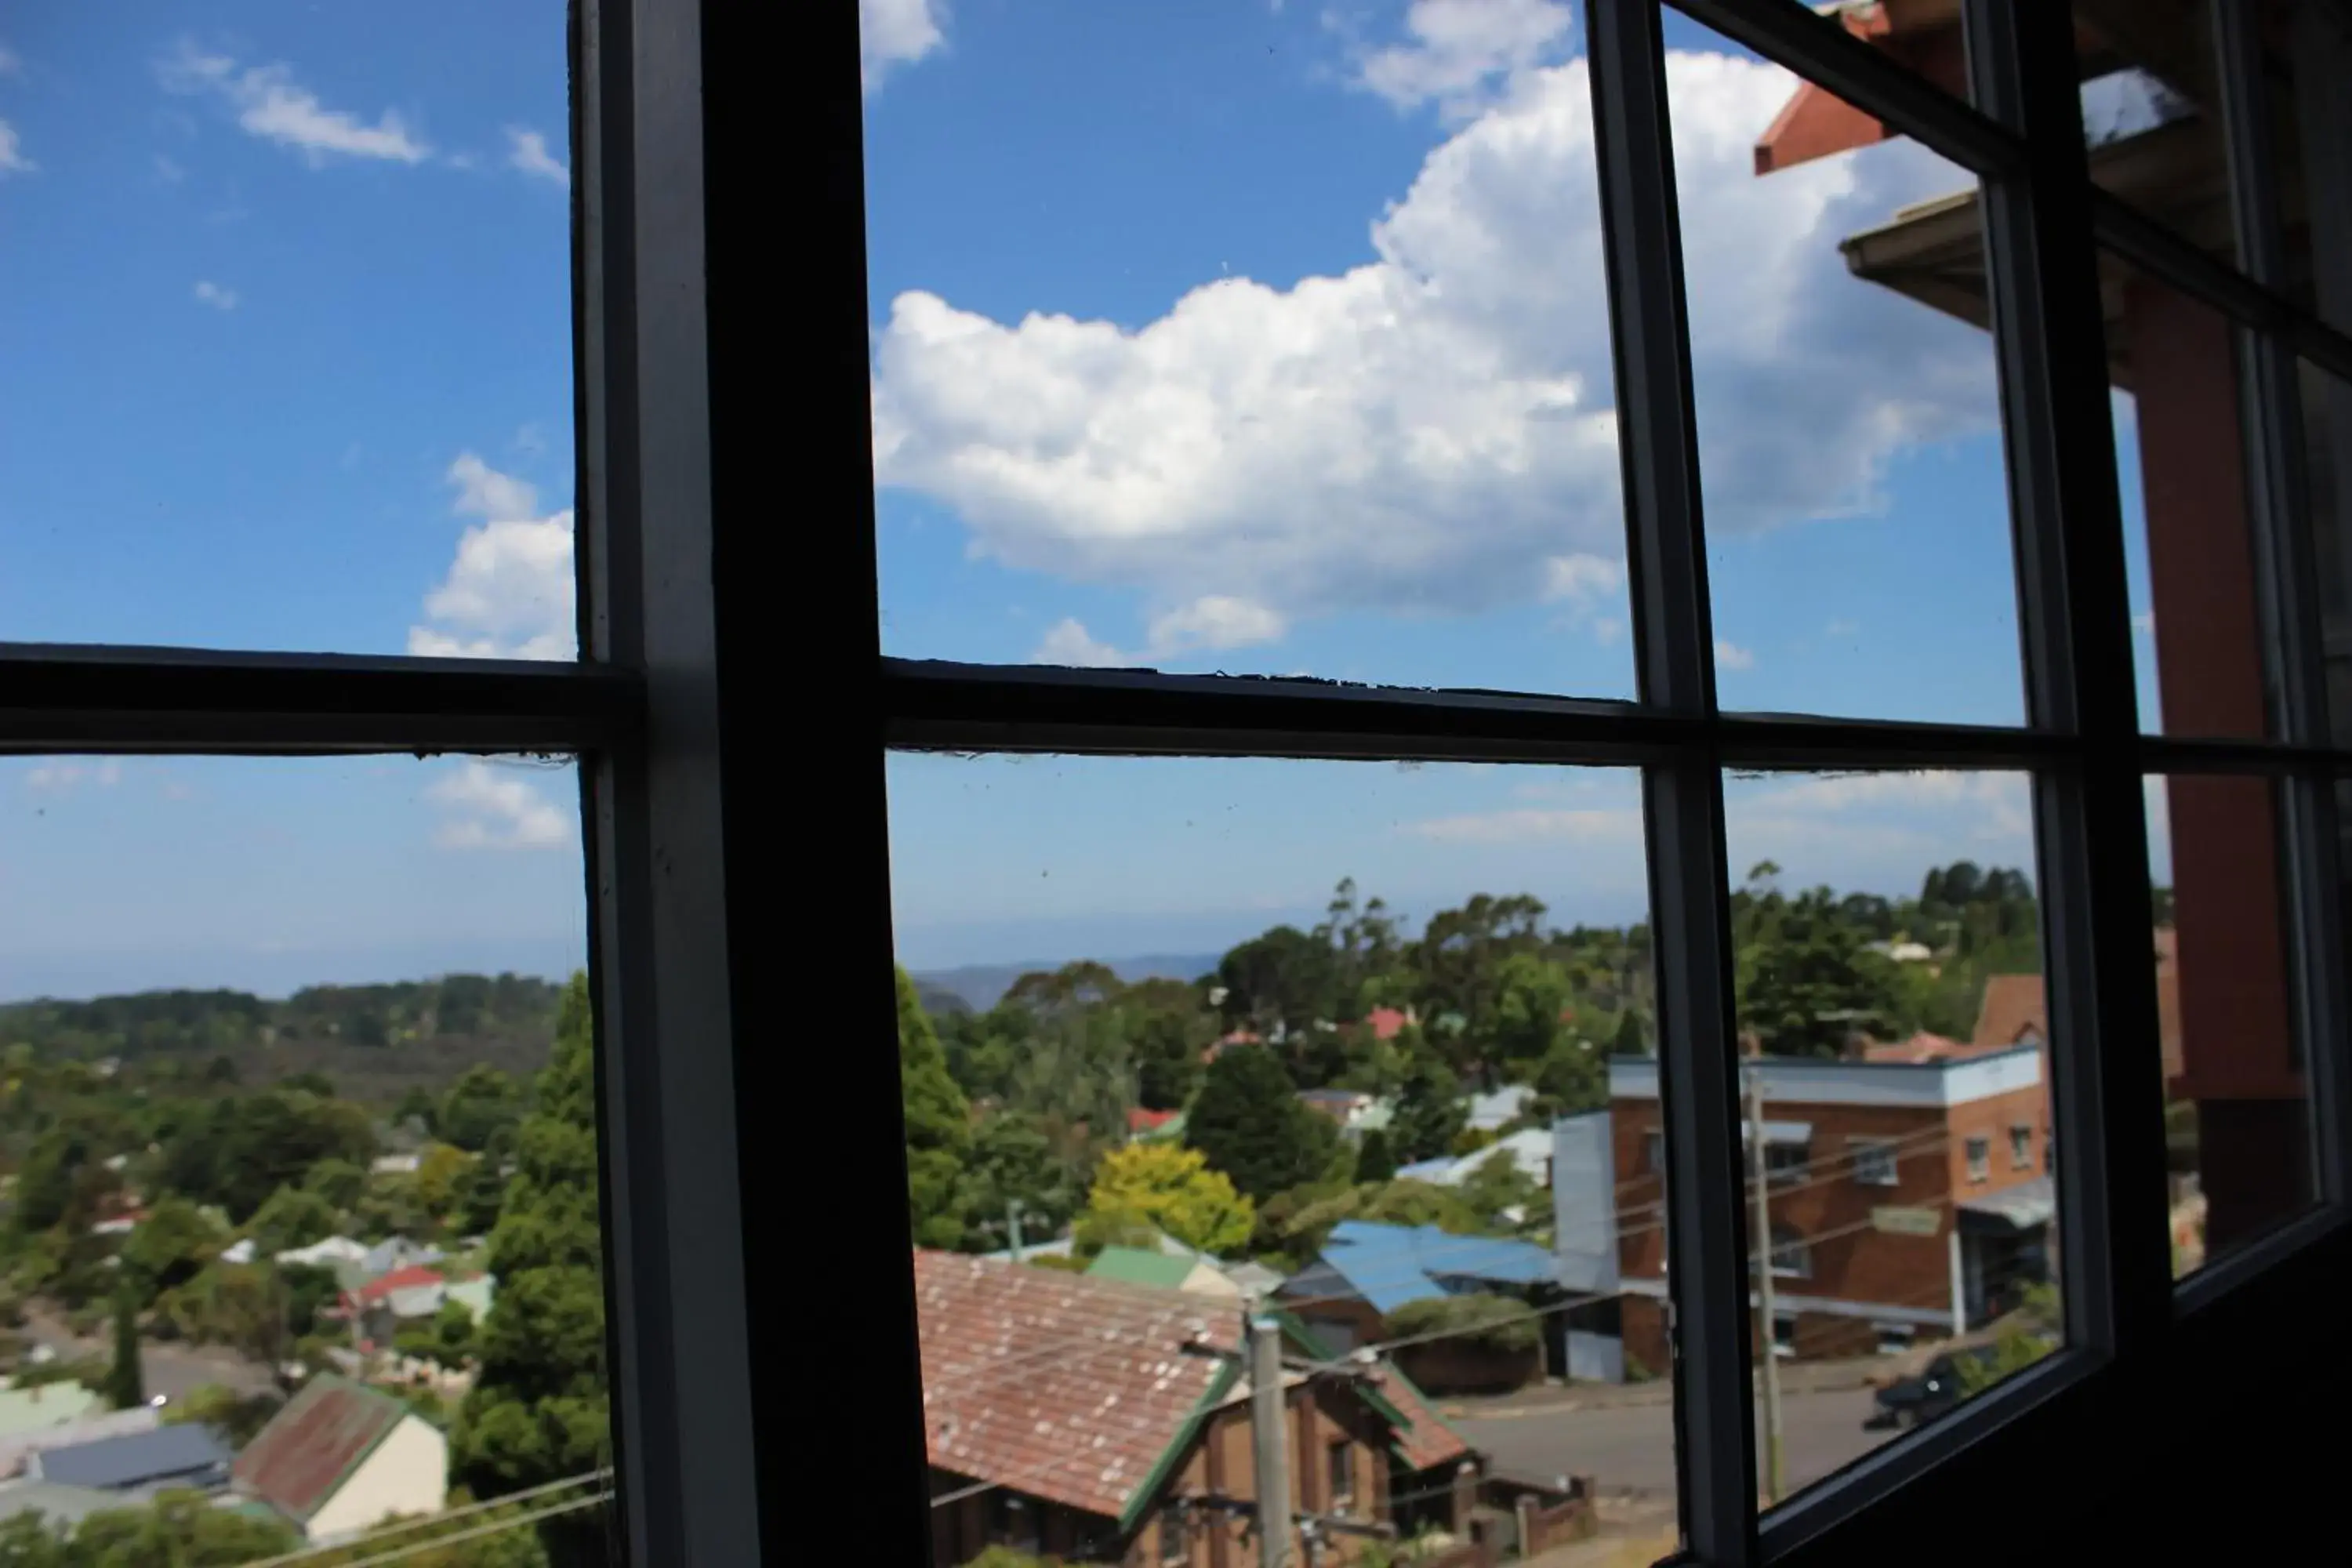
<point x="1242" y="336"/>
<point x="1271" y="338"/>
<point x="288" y="317"/>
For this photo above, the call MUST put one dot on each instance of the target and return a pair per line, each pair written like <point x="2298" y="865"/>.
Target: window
<point x="1784" y="1335"/>
<point x="1874" y="1162"/>
<point x="1013" y="1520"/>
<point x="1893" y="1339"/>
<point x="1786" y="1164"/>
<point x="1339" y="1474"/>
<point x="2021" y="1146"/>
<point x="1864" y="399"/>
<point x="378" y="880"/>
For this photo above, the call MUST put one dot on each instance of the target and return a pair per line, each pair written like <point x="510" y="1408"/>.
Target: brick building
<point x="1065" y="1416"/>
<point x="1909" y="1199"/>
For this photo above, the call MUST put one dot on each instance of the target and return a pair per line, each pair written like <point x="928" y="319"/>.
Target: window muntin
<point x="1875" y="1161"/>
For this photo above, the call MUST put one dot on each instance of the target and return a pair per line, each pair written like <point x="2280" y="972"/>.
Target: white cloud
<point x="271" y="105"/>
<point x="12" y="153"/>
<point x="1425" y="434"/>
<point x="897" y="32"/>
<point x="512" y="592"/>
<point x="527" y="150"/>
<point x="1525" y="825"/>
<point x="1458" y="53"/>
<point x="211" y="293"/>
<point x="60" y="776"/>
<point x="1211" y="624"/>
<point x="490" y="808"/>
<point x="1580" y="579"/>
<point x="1730" y="655"/>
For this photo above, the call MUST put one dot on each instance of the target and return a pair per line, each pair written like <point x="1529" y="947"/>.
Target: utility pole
<point x="1758" y="1169"/>
<point x="1012" y="1223"/>
<point x="1269" y="1443"/>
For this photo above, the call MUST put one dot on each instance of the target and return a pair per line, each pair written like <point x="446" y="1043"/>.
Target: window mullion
<point x="1666" y="557"/>
<point x="2074" y="619"/>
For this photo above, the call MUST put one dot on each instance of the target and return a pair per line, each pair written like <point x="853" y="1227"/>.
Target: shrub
<point x="1492" y="1322"/>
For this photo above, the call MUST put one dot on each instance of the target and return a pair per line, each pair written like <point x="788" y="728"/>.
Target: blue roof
<point x="1390" y="1264"/>
<point x="1423" y="1170"/>
<point x="188" y="1452"/>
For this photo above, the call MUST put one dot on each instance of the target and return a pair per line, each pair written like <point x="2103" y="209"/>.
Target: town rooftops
<point x="296" y="1462"/>
<point x="1106" y="1394"/>
<point x="17" y="1448"/>
<point x="1823" y="1081"/>
<point x="1137" y="1266"/>
<point x="1390" y="1266"/>
<point x="185" y="1454"/>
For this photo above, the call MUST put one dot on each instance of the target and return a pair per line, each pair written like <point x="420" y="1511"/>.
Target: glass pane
<point x="2181" y="475"/>
<point x="1178" y="1034"/>
<point x="1848" y="415"/>
<point x="299" y="1120"/>
<point x="1358" y="422"/>
<point x="2237" y="1112"/>
<point x="2152" y="113"/>
<point x="1894" y="1039"/>
<point x="2306" y="54"/>
<point x="2327" y="444"/>
<point x="289" y="322"/>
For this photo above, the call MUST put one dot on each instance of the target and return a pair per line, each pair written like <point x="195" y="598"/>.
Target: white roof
<point x="1793" y="1081"/>
<point x="334" y="1249"/>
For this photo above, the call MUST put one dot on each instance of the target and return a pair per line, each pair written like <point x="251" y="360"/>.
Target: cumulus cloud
<point x="1211" y="624"/>
<point x="270" y="104"/>
<point x="1457" y="54"/>
<point x="211" y="293"/>
<point x="511" y="593"/>
<point x="12" y="153"/>
<point x="897" y="32"/>
<point x="527" y="150"/>
<point x="486" y="807"/>
<point x="1730" y="655"/>
<point x="63" y="776"/>
<point x="1531" y="825"/>
<point x="1433" y="431"/>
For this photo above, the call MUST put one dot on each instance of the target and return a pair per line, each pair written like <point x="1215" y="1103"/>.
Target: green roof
<point x="1137" y="1266"/>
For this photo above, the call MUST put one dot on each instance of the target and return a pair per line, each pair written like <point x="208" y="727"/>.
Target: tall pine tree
<point x="1249" y="1123"/>
<point x="939" y="1125"/>
<point x="537" y="1410"/>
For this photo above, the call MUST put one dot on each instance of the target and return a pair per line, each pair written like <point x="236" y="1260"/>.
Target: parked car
<point x="1908" y="1401"/>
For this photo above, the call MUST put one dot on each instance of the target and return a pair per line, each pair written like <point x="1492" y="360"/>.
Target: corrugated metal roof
<point x="1137" y="1266"/>
<point x="1390" y="1264"/>
<point x="188" y="1452"/>
<point x="296" y="1462"/>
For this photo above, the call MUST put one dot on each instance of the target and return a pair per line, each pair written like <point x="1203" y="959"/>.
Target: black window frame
<point x="2020" y="134"/>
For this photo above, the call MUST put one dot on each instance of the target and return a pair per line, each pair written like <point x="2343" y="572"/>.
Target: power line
<point x="572" y="1506"/>
<point x="426" y="1521"/>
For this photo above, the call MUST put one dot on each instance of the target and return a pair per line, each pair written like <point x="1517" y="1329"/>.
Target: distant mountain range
<point x="979" y="986"/>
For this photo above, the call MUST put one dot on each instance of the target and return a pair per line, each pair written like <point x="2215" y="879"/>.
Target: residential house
<point x="19" y="1446"/>
<point x="400" y="1164"/>
<point x="1094" y="1420"/>
<point x="341" y="1458"/>
<point x="42" y="1405"/>
<point x="1529" y="1149"/>
<point x="187" y="1455"/>
<point x="1493" y="1111"/>
<point x="398" y="1252"/>
<point x="379" y="1306"/>
<point x="1367" y="1271"/>
<point x="1154" y="1126"/>
<point x="1355" y="1111"/>
<point x="338" y="1252"/>
<point x="1196" y="1272"/>
<point x="1908" y="1197"/>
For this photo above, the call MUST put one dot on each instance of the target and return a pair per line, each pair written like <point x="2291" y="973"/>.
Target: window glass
<point x="2327" y="407"/>
<point x="301" y="1133"/>
<point x="1356" y="423"/>
<point x="1370" y="1043"/>
<point x="1887" y="947"/>
<point x="1848" y="413"/>
<point x="289" y="317"/>
<point x="2152" y="115"/>
<point x="2237" y="1113"/>
<point x="2181" y="473"/>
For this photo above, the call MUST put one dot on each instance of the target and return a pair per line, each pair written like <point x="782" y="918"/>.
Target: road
<point x="172" y="1370"/>
<point x="1632" y="1447"/>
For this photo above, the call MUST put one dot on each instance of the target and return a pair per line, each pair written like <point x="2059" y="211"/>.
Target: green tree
<point x="1532" y="995"/>
<point x="477" y="1105"/>
<point x="537" y="1411"/>
<point x="447" y="1341"/>
<point x="1248" y="1122"/>
<point x="939" y="1124"/>
<point x="1173" y="1190"/>
<point x="1169" y="1025"/>
<point x="290" y="1218"/>
<point x="126" y="1386"/>
<point x="1429" y="1109"/>
<point x="169" y="1248"/>
<point x="1375" y="1160"/>
<point x="1014" y="1164"/>
<point x="1571" y="1077"/>
<point x="340" y="1182"/>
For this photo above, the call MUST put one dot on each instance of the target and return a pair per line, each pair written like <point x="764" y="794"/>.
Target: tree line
<point x="1017" y="1116"/>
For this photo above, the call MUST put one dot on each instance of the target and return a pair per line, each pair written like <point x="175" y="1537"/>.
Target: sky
<point x="1271" y="338"/>
<point x="1243" y="336"/>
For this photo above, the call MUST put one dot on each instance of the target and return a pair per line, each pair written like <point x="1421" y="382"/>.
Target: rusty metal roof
<point x="296" y="1462"/>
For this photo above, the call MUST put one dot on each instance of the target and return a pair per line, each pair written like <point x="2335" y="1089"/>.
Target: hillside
<point x="373" y="1042"/>
<point x="981" y="986"/>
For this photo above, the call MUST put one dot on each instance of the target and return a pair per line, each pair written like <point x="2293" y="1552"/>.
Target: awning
<point x="2025" y="1206"/>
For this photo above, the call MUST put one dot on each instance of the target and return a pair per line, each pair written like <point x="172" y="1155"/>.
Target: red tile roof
<point x="1138" y="1119"/>
<point x="1387" y="1022"/>
<point x="296" y="1462"/>
<point x="1071" y="1387"/>
<point x="383" y="1285"/>
<point x="1429" y="1441"/>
